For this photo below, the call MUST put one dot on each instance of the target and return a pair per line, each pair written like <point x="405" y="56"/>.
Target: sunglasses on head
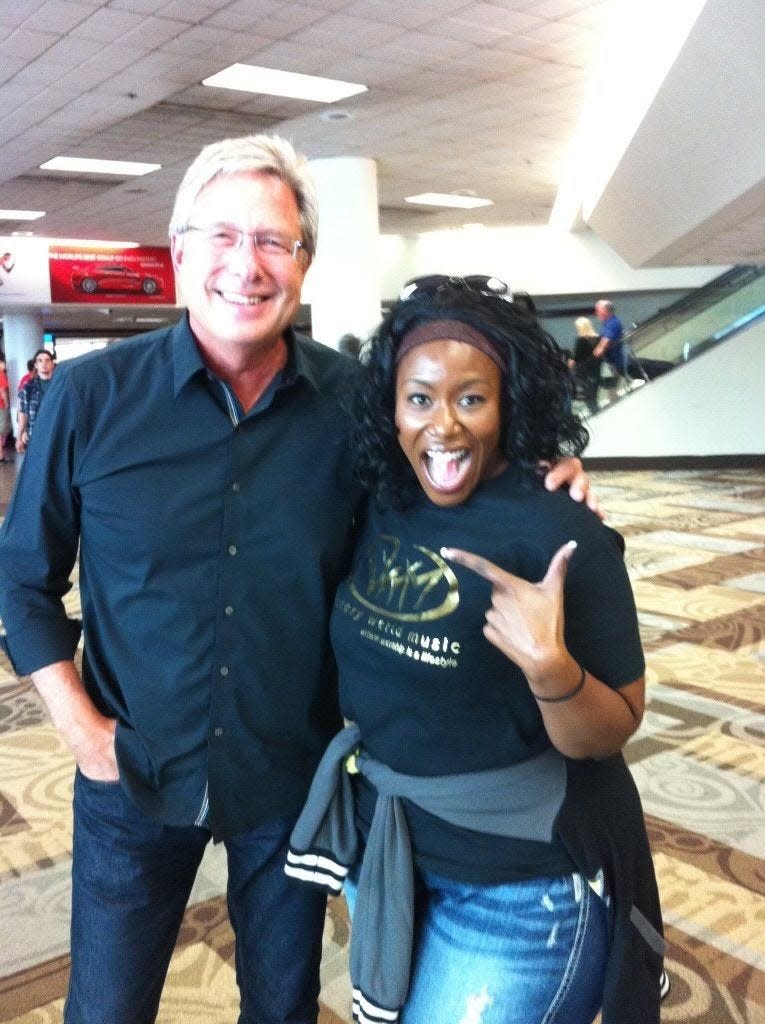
<point x="432" y="284"/>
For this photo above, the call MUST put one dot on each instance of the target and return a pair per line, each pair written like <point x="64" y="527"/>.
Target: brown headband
<point x="452" y="330"/>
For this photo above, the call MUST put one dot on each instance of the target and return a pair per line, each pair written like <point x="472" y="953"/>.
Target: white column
<point x="343" y="285"/>
<point x="22" y="336"/>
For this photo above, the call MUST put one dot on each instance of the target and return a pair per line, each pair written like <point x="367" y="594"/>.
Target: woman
<point x="505" y="876"/>
<point x="584" y="364"/>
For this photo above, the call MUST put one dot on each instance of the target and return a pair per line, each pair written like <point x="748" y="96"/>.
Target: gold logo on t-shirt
<point x="405" y="582"/>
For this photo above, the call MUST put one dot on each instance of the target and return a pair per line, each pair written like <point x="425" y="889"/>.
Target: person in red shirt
<point x="5" y="409"/>
<point x="31" y="372"/>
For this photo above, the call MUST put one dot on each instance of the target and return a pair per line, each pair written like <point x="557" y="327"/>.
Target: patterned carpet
<point x="696" y="551"/>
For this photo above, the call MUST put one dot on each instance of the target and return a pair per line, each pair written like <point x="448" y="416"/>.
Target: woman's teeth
<point x="445" y="468"/>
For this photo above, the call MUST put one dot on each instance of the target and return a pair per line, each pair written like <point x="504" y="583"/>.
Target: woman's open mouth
<point x="447" y="470"/>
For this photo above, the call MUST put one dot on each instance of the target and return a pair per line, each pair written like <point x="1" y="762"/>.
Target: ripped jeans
<point x="529" y="952"/>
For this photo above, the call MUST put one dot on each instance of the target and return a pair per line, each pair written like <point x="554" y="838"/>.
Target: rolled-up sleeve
<point x="39" y="539"/>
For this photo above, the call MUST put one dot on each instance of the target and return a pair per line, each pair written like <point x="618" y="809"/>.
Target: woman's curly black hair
<point x="538" y="389"/>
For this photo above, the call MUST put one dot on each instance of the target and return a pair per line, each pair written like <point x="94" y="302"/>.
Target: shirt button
<point x="236" y="487"/>
<point x="232" y="549"/>
<point x="219" y="731"/>
<point x="229" y="610"/>
<point x="224" y="670"/>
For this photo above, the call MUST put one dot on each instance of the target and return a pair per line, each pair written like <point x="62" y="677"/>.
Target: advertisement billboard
<point x="131" y="276"/>
<point x="23" y="271"/>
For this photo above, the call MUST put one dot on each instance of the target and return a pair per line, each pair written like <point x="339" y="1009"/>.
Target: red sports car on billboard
<point x="116" y="279"/>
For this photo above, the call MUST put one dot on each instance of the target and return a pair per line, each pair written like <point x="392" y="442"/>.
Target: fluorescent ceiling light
<point x="447" y="199"/>
<point x="248" y="78"/>
<point x="83" y="165"/>
<point x="21" y="214"/>
<point x="96" y="243"/>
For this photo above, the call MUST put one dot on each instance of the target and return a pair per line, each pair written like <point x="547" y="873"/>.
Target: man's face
<point x="44" y="365"/>
<point x="240" y="297"/>
<point x="601" y="311"/>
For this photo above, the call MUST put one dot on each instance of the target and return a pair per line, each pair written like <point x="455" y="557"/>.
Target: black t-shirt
<point x="584" y="347"/>
<point x="430" y="694"/>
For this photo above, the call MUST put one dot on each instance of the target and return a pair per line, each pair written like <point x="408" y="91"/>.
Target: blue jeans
<point x="530" y="952"/>
<point x="131" y="879"/>
<point x="618" y="357"/>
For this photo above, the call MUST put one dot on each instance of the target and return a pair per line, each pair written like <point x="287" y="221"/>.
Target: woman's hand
<point x="525" y="620"/>
<point x="570" y="473"/>
<point x="582" y="715"/>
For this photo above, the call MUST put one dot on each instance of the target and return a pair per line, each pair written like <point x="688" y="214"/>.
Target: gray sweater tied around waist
<point x="521" y="801"/>
<point x="592" y="805"/>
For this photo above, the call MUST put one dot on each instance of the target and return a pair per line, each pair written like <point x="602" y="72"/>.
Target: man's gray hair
<point x="267" y="154"/>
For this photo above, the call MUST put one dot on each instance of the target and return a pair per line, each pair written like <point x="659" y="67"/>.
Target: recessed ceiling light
<point x="335" y="116"/>
<point x="461" y="202"/>
<point x="84" y="165"/>
<point x="21" y="214"/>
<point x="249" y="78"/>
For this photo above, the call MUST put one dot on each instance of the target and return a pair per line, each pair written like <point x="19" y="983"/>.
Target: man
<point x="31" y="396"/>
<point x="204" y="472"/>
<point x="611" y="346"/>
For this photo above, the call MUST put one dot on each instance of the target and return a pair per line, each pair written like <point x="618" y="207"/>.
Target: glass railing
<point x="680" y="333"/>
<point x="696" y="322"/>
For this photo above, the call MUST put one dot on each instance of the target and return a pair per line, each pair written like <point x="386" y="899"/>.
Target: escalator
<point x="692" y="325"/>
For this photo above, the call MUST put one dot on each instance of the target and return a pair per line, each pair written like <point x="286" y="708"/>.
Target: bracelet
<point x="565" y="696"/>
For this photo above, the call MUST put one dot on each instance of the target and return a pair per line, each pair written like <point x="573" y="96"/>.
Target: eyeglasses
<point x="432" y="284"/>
<point x="225" y="238"/>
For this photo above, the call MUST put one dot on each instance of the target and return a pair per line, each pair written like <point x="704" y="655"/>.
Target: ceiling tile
<point x="346" y="33"/>
<point x="190" y="12"/>
<point x="17" y="13"/>
<point x="58" y="16"/>
<point x="107" y="24"/>
<point x="26" y="44"/>
<point x="140" y="6"/>
<point x="153" y="31"/>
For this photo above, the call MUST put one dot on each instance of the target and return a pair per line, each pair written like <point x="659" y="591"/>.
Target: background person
<point x="611" y="346"/>
<point x="5" y="409"/>
<point x="31" y="372"/>
<point x="489" y="711"/>
<point x="31" y="396"/>
<point x="583" y="362"/>
<point x="350" y="345"/>
<point x="204" y="471"/>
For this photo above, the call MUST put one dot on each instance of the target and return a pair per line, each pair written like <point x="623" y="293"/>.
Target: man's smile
<point x="241" y="300"/>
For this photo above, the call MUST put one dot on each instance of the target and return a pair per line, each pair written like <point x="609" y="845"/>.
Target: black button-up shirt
<point x="211" y="543"/>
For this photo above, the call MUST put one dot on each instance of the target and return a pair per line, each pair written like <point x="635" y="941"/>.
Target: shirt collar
<point x="187" y="361"/>
<point x="186" y="358"/>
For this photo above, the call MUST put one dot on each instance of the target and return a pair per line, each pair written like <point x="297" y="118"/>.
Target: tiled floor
<point x="696" y="553"/>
